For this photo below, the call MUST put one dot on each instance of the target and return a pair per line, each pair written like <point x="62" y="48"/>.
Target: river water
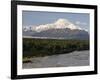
<point x="76" y="58"/>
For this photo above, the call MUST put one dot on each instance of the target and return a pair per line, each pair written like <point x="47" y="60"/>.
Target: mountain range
<point x="60" y="29"/>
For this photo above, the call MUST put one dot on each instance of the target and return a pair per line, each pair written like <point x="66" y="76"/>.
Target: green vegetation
<point x="42" y="47"/>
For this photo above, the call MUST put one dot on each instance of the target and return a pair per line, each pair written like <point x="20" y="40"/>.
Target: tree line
<point x="42" y="47"/>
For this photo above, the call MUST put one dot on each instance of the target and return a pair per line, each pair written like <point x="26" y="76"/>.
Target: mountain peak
<point x="60" y="29"/>
<point x="62" y="22"/>
<point x="58" y="24"/>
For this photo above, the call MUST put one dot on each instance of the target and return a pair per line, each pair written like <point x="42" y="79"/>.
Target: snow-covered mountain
<point x="61" y="28"/>
<point x="59" y="24"/>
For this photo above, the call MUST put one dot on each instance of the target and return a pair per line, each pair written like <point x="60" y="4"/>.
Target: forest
<point x="42" y="47"/>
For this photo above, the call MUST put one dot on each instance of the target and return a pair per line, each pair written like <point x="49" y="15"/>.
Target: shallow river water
<point x="76" y="58"/>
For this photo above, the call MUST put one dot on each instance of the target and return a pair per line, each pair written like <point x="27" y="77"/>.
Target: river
<point x="76" y="58"/>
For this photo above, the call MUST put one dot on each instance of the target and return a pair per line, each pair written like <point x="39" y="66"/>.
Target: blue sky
<point x="38" y="18"/>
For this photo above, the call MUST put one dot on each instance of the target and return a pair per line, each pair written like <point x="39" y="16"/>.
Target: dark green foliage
<point x="42" y="47"/>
